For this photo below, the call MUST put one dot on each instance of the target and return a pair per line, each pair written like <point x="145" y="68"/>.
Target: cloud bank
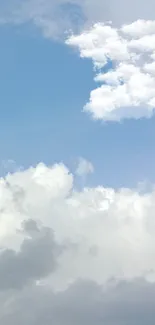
<point x="70" y="256"/>
<point x="124" y="61"/>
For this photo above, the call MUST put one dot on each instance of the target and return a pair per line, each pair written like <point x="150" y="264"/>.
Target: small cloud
<point x="84" y="167"/>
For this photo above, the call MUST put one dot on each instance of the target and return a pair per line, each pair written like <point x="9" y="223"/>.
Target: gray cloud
<point x="84" y="302"/>
<point x="56" y="16"/>
<point x="36" y="258"/>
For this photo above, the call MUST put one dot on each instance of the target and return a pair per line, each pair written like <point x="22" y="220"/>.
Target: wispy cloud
<point x="53" y="19"/>
<point x="84" y="167"/>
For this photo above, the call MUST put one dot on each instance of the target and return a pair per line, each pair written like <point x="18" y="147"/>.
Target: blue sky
<point x="44" y="86"/>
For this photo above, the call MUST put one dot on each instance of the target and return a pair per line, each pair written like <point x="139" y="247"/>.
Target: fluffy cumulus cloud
<point x="124" y="61"/>
<point x="123" y="53"/>
<point x="73" y="256"/>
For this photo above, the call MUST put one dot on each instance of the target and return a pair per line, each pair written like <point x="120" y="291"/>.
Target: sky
<point x="77" y="181"/>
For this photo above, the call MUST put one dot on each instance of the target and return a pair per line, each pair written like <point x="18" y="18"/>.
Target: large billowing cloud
<point x="124" y="60"/>
<point x="70" y="256"/>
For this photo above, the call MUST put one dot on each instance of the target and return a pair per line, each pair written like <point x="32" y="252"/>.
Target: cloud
<point x="56" y="16"/>
<point x="71" y="257"/>
<point x="107" y="232"/>
<point x="36" y="258"/>
<point x="124" y="63"/>
<point x="84" y="167"/>
<point x="126" y="88"/>
<point x="84" y="302"/>
<point x="53" y="18"/>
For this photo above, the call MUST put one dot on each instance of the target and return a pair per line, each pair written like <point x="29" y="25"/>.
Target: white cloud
<point x="111" y="233"/>
<point x="52" y="235"/>
<point x="139" y="28"/>
<point x="130" y="46"/>
<point x="127" y="89"/>
<point x="84" y="167"/>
